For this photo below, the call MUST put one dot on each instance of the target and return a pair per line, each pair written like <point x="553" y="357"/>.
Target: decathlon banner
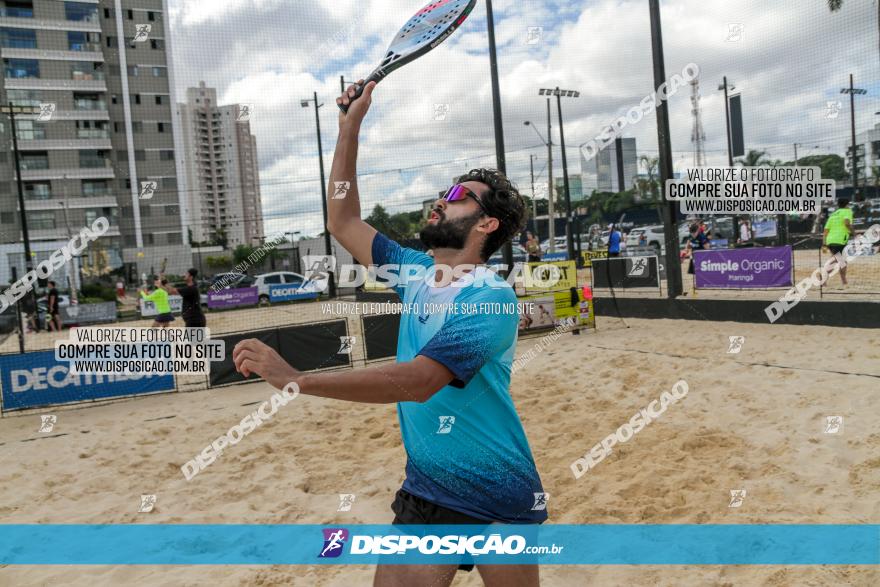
<point x="756" y="267"/>
<point x="492" y="544"/>
<point x="288" y="293"/>
<point x="36" y="379"/>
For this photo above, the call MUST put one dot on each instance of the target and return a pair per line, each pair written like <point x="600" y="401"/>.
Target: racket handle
<point x="359" y="89"/>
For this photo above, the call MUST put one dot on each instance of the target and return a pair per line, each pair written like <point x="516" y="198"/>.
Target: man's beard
<point x="448" y="234"/>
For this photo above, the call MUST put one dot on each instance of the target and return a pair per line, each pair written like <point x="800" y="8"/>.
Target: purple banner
<point x="744" y="268"/>
<point x="231" y="298"/>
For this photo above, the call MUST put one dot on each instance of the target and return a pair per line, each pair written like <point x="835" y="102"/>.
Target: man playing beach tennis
<point x="468" y="460"/>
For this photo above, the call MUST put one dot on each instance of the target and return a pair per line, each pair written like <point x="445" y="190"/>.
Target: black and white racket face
<point x="429" y="27"/>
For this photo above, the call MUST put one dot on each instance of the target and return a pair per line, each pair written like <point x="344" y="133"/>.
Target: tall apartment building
<point x="111" y="132"/>
<point x="617" y="166"/>
<point x="223" y="179"/>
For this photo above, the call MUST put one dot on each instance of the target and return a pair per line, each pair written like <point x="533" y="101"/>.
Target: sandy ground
<point x="751" y="421"/>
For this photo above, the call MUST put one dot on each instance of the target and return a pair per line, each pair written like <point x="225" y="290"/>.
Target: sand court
<point x="752" y="421"/>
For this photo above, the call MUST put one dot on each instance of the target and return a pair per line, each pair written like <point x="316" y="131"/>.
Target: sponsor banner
<point x="764" y="229"/>
<point x="648" y="252"/>
<point x="588" y="256"/>
<point x="719" y="243"/>
<point x="88" y="313"/>
<point x="626" y="272"/>
<point x="561" y="256"/>
<point x="533" y="277"/>
<point x="355" y="544"/>
<point x="148" y="308"/>
<point x="290" y="292"/>
<point x="37" y="379"/>
<point x="233" y="298"/>
<point x="757" y="267"/>
<point x="537" y="312"/>
<point x="582" y="311"/>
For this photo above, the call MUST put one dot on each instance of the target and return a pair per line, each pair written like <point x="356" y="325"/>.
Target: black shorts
<point x="835" y="249"/>
<point x="164" y="318"/>
<point x="411" y="509"/>
<point x="534" y="259"/>
<point x="613" y="254"/>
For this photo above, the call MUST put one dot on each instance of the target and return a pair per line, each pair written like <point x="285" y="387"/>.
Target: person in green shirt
<point x="838" y="230"/>
<point x="160" y="298"/>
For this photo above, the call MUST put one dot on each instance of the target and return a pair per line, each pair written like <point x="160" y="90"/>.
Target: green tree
<point x="381" y="221"/>
<point x="241" y="253"/>
<point x="754" y="159"/>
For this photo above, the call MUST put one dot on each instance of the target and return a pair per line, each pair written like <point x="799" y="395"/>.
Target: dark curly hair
<point x="504" y="202"/>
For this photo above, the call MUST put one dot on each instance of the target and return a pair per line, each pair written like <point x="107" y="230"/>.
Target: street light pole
<point x="852" y="91"/>
<point x="327" y="247"/>
<point x="569" y="237"/>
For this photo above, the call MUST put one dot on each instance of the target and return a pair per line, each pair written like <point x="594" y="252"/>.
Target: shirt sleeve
<point x="468" y="340"/>
<point x="403" y="261"/>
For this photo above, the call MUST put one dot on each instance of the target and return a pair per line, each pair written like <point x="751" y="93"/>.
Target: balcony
<point x="24" y="18"/>
<point x="72" y="203"/>
<point x="67" y="173"/>
<point x="64" y="144"/>
<point x="32" y="83"/>
<point x="96" y="55"/>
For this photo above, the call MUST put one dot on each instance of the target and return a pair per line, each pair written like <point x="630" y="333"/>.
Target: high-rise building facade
<point x="107" y="145"/>
<point x="617" y="166"/>
<point x="222" y="175"/>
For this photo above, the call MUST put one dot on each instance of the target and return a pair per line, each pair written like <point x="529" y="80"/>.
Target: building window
<point x="27" y="130"/>
<point x="92" y="129"/>
<point x="169" y="183"/>
<point x="80" y="41"/>
<point x="137" y="98"/>
<point x="151" y="16"/>
<point x="149" y="239"/>
<point x="130" y="240"/>
<point x="24" y="97"/>
<point x="80" y="12"/>
<point x="114" y="99"/>
<point x="133" y="70"/>
<point x="88" y="101"/>
<point x="38" y="190"/>
<point x="86" y="70"/>
<point x="160" y="100"/>
<point x="160" y="127"/>
<point x="131" y="15"/>
<point x="95" y="187"/>
<point x="7" y="218"/>
<point x="140" y="155"/>
<point x="18" y="38"/>
<point x="175" y="238"/>
<point x="107" y="13"/>
<point x="137" y="126"/>
<point x="160" y="72"/>
<point x="21" y="68"/>
<point x="92" y="158"/>
<point x="172" y="210"/>
<point x="41" y="220"/>
<point x="157" y="44"/>
<point x="111" y="41"/>
<point x="166" y="155"/>
<point x="34" y="160"/>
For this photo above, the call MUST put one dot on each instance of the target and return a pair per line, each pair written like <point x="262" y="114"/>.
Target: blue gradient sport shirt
<point x="466" y="448"/>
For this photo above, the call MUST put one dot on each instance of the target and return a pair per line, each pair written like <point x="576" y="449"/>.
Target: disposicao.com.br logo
<point x="412" y="545"/>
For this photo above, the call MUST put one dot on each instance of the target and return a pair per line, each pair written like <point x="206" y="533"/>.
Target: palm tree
<point x="754" y="159"/>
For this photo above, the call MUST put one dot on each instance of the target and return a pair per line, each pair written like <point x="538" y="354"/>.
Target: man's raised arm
<point x="343" y="204"/>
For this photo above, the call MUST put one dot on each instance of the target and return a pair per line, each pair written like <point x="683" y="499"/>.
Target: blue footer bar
<point x="207" y="544"/>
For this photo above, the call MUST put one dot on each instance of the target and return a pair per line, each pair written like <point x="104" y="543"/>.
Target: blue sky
<point x="788" y="59"/>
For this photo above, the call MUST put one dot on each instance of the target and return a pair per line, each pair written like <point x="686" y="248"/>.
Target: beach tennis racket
<point x="429" y="27"/>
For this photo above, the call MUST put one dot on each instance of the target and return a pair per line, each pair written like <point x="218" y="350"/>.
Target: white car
<point x="653" y="237"/>
<point x="265" y="281"/>
<point x="560" y="244"/>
